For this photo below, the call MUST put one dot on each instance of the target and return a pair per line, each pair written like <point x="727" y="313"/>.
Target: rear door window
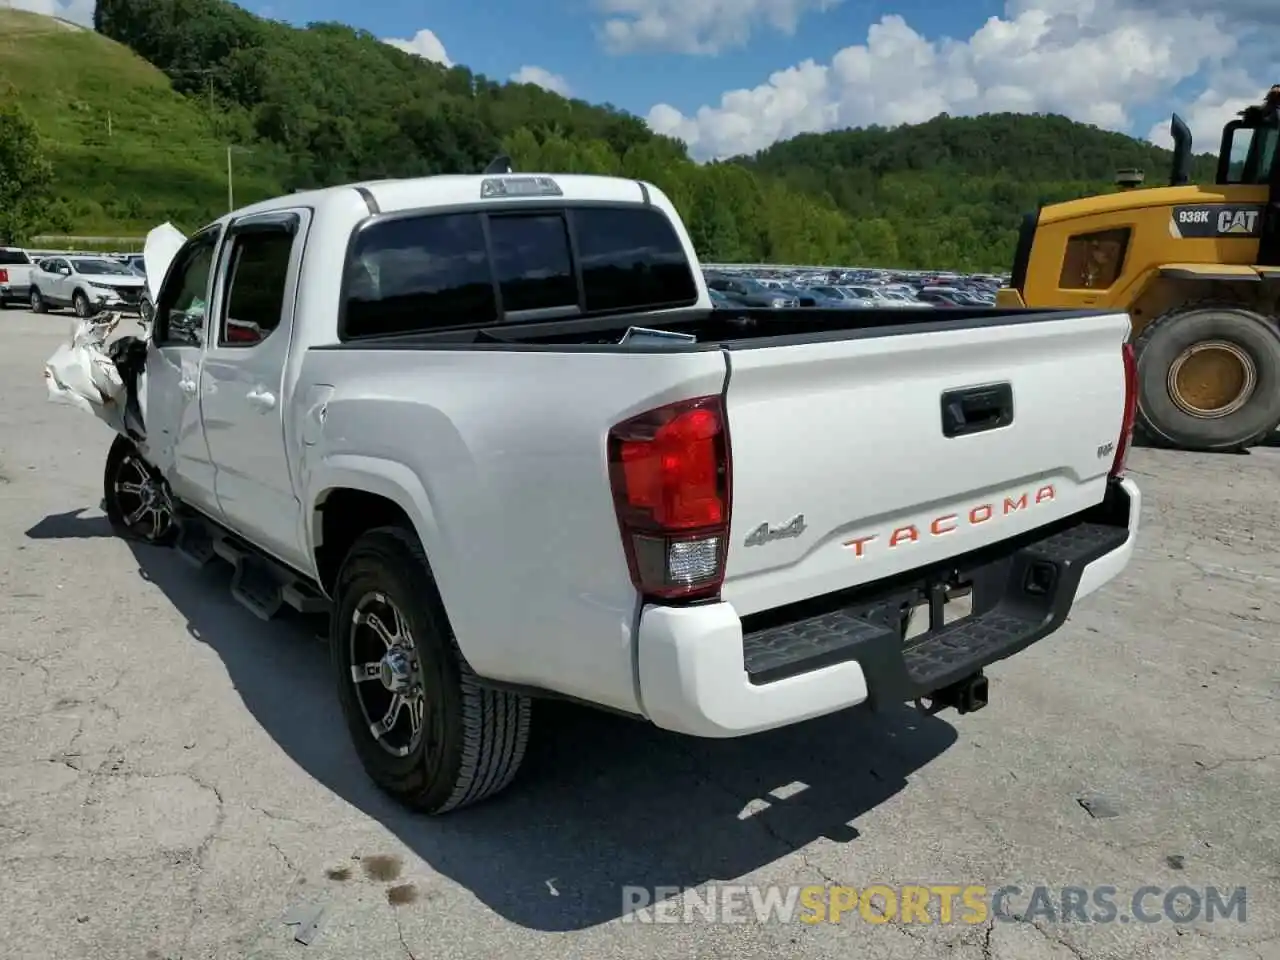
<point x="256" y="286"/>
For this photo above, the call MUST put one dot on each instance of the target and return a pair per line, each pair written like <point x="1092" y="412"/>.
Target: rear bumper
<point x="703" y="671"/>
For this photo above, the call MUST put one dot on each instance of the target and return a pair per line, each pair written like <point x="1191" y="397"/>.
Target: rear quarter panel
<point x="500" y="458"/>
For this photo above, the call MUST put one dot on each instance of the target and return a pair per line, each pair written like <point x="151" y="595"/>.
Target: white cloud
<point x="77" y="11"/>
<point x="1225" y="96"/>
<point x="1088" y="59"/>
<point x="541" y="77"/>
<point x="696" y="26"/>
<point x="424" y="44"/>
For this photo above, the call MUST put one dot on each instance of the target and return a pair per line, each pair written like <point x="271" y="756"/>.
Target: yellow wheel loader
<point x="1198" y="270"/>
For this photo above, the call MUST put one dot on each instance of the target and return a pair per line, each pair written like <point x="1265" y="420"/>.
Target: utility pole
<point x="109" y="123"/>
<point x="231" y="197"/>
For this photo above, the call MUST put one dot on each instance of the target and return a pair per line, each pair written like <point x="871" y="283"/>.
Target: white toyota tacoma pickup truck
<point x="493" y="425"/>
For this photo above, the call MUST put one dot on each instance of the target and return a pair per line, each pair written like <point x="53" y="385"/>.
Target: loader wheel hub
<point x="1212" y="379"/>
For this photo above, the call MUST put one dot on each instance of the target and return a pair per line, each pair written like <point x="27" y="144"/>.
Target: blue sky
<point x="733" y="76"/>
<point x="730" y="82"/>
<point x="497" y="37"/>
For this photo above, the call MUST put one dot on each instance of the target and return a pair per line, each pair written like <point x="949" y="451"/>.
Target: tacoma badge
<point x="765" y="534"/>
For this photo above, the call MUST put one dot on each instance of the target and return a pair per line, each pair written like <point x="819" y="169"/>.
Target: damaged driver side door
<point x="175" y="434"/>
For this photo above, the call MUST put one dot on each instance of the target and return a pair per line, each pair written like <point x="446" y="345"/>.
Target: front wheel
<point x="80" y="303"/>
<point x="425" y="730"/>
<point x="1209" y="378"/>
<point x="136" y="497"/>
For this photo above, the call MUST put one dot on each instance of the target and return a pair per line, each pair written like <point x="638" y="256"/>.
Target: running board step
<point x="258" y="583"/>
<point x="194" y="545"/>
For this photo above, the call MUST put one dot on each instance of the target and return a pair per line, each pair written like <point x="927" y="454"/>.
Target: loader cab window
<point x="1249" y="154"/>
<point x="1267" y="155"/>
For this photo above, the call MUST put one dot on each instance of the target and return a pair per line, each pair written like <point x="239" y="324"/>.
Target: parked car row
<point x="85" y="282"/>
<point x="113" y="286"/>
<point x="847" y="287"/>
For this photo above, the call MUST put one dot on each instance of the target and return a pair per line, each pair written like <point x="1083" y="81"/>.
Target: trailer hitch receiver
<point x="965" y="696"/>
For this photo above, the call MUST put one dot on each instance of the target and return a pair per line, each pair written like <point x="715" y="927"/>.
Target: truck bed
<point x="717" y="327"/>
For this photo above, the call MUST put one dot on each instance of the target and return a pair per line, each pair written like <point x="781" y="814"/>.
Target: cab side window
<point x="180" y="314"/>
<point x="256" y="285"/>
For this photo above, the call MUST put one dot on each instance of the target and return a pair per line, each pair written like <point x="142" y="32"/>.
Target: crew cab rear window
<point x="13" y="258"/>
<point x="532" y="263"/>
<point x="435" y="271"/>
<point x="418" y="274"/>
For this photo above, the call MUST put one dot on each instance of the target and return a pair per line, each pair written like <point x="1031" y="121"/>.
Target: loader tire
<point x="1208" y="378"/>
<point x="451" y="742"/>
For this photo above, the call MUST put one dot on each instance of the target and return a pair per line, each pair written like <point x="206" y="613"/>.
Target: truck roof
<point x="448" y="189"/>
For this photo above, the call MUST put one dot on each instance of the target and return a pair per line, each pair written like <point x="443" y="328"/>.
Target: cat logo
<point x="1238" y="221"/>
<point x="1210" y="220"/>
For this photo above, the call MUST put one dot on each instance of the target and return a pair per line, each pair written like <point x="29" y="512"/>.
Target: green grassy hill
<point x="128" y="152"/>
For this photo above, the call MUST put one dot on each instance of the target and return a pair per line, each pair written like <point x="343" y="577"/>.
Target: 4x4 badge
<point x="766" y="534"/>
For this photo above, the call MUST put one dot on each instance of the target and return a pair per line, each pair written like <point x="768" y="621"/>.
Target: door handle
<point x="262" y="399"/>
<point x="188" y="387"/>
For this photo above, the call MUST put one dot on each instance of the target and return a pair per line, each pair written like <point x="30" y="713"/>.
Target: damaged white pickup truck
<point x="493" y="424"/>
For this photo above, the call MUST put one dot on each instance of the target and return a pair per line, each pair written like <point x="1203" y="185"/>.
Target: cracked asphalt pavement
<point x="175" y="780"/>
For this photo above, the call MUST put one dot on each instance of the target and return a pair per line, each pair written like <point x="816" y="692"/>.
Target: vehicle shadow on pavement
<point x="603" y="802"/>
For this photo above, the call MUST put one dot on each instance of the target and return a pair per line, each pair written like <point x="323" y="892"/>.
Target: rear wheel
<point x="425" y="730"/>
<point x="1209" y="378"/>
<point x="37" y="302"/>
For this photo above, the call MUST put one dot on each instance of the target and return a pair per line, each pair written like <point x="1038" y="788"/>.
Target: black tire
<point x="125" y="467"/>
<point x="1163" y="422"/>
<point x="145" y="309"/>
<point x="37" y="302"/>
<point x="80" y="303"/>
<point x="472" y="739"/>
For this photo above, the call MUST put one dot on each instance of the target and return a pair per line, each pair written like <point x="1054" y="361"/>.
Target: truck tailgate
<point x="843" y="471"/>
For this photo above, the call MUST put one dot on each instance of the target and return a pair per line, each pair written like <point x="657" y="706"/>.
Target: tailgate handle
<point x="975" y="409"/>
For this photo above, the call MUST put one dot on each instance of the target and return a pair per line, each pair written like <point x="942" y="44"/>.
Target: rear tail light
<point x="4" y="275"/>
<point x="1130" y="411"/>
<point x="669" y="470"/>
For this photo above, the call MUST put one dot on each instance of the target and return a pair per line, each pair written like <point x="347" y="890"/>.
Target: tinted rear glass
<point x="631" y="259"/>
<point x="434" y="271"/>
<point x="11" y="258"/>
<point x="418" y="274"/>
<point x="532" y="263"/>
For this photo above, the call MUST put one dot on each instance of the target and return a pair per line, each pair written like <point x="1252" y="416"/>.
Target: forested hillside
<point x="951" y="191"/>
<point x="328" y="103"/>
